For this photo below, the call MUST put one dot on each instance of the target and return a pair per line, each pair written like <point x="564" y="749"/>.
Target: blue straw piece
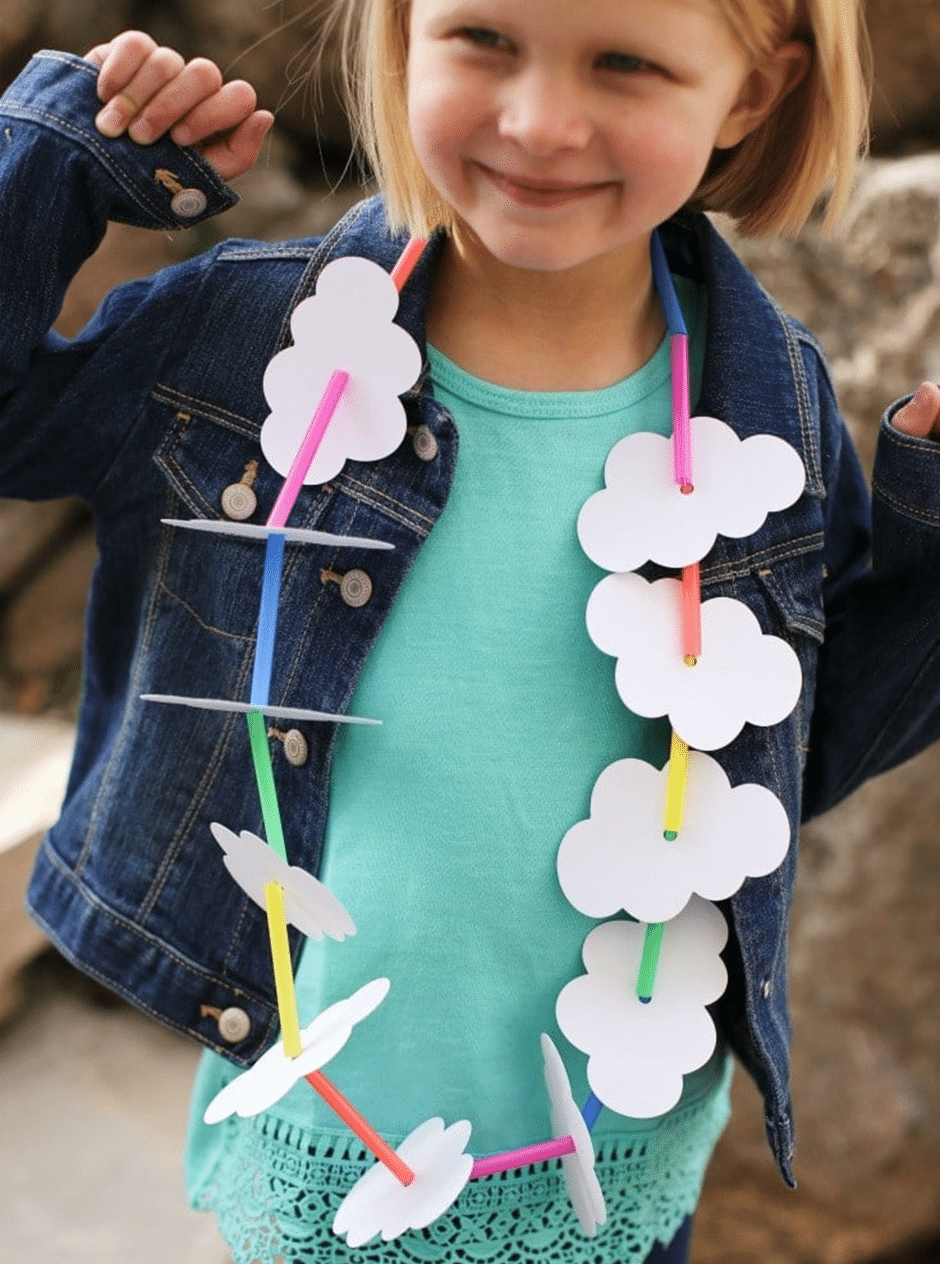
<point x="267" y="620"/>
<point x="592" y="1109"/>
<point x="662" y="278"/>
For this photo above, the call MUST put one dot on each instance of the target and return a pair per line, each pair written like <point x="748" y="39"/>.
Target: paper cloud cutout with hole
<point x="581" y="1181"/>
<point x="619" y="858"/>
<point x="308" y="904"/>
<point x="643" y="516"/>
<point x="346" y="325"/>
<point x="743" y="676"/>
<point x="379" y="1204"/>
<point x="274" y="1074"/>
<point x="638" y="1053"/>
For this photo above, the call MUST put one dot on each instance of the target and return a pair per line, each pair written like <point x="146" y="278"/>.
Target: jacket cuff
<point x="906" y="476"/>
<point x="154" y="186"/>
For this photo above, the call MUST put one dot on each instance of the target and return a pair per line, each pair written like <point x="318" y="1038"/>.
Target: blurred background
<point x="93" y="1096"/>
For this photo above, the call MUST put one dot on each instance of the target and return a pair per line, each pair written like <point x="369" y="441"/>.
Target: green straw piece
<point x="650" y="961"/>
<point x="264" y="775"/>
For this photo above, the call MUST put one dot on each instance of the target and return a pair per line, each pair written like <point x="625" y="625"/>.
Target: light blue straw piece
<point x="267" y="620"/>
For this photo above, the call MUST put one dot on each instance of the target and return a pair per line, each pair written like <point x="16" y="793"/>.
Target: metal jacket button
<point x="296" y="750"/>
<point x="234" y="1025"/>
<point x="239" y="501"/>
<point x="188" y="203"/>
<point x="424" y="443"/>
<point x="355" y="587"/>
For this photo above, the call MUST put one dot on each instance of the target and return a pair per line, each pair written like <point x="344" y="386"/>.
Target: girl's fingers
<point x="97" y="55"/>
<point x="149" y="91"/>
<point x="195" y="83"/>
<point x="221" y="111"/>
<point x="128" y="108"/>
<point x="120" y="60"/>
<point x="237" y="152"/>
<point x="920" y="416"/>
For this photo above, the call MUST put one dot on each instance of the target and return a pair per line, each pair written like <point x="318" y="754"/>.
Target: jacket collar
<point x="741" y="316"/>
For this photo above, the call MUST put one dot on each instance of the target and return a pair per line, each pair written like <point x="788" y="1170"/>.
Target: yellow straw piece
<point x="283" y="969"/>
<point x="675" y="790"/>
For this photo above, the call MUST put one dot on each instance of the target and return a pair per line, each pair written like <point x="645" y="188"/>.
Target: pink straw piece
<point x="290" y="490"/>
<point x="407" y="260"/>
<point x="681" y="430"/>
<point x="539" y="1153"/>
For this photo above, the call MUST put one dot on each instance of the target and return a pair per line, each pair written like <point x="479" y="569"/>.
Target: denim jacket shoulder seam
<point x="318" y="258"/>
<point x="260" y="251"/>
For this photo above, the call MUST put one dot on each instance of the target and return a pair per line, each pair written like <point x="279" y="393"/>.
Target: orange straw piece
<point x="363" y="1130"/>
<point x="691" y="614"/>
<point x="407" y="260"/>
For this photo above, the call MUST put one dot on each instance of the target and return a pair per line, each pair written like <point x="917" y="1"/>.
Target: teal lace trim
<point x="277" y="1187"/>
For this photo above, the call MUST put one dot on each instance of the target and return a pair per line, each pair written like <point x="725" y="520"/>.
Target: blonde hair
<point x="804" y="152"/>
<point x="808" y="147"/>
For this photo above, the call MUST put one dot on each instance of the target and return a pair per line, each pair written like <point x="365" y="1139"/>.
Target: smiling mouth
<point x="542" y="193"/>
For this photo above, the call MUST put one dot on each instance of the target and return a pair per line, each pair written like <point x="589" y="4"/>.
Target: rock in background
<point x="866" y="932"/>
<point x="866" y="935"/>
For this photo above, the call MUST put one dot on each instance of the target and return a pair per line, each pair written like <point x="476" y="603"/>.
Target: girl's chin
<point x="528" y="251"/>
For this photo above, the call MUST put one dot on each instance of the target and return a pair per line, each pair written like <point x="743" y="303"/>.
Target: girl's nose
<point x="543" y="115"/>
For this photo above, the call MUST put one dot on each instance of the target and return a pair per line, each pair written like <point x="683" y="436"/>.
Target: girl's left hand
<point x="921" y="415"/>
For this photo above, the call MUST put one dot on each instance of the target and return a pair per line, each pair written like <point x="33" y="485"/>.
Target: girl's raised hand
<point x="920" y="416"/>
<point x="148" y="91"/>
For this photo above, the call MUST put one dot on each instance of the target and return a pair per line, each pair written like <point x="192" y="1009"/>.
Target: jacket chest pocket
<point x="213" y="469"/>
<point x="210" y="585"/>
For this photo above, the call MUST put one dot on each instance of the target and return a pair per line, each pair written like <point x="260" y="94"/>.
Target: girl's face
<point x="564" y="131"/>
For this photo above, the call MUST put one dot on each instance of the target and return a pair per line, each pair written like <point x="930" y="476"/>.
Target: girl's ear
<point x="762" y="91"/>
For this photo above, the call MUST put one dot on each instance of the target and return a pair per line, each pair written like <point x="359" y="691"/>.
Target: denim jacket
<point x="155" y="409"/>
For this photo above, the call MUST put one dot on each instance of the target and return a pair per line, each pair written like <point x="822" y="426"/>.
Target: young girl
<point x="540" y="144"/>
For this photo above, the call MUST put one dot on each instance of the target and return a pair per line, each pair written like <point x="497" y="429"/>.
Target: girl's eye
<point x="484" y="38"/>
<point x="623" y="63"/>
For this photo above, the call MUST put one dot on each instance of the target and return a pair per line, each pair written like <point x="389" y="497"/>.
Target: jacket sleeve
<point x="60" y="184"/>
<point x="877" y="697"/>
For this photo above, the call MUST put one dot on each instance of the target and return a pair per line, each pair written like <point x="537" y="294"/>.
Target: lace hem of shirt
<point x="277" y="1188"/>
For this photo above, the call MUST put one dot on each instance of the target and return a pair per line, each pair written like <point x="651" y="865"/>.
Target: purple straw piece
<point x="539" y="1153"/>
<point x="322" y="417"/>
<point x="681" y="430"/>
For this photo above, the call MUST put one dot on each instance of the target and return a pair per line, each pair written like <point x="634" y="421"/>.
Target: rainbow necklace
<point x="658" y="845"/>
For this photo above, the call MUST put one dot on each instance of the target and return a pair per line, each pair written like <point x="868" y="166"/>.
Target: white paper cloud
<point x="274" y="1074"/>
<point x="379" y="1203"/>
<point x="638" y="1053"/>
<point x="643" y="516"/>
<point x="308" y="904"/>
<point x="347" y="325"/>
<point x="742" y="676"/>
<point x="581" y="1181"/>
<point x="619" y="859"/>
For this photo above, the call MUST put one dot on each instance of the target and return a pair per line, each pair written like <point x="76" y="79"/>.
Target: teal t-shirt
<point x="498" y="716"/>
